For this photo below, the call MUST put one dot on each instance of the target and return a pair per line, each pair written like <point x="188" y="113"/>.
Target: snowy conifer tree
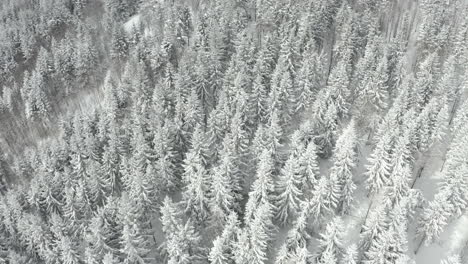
<point x="374" y="225"/>
<point x="330" y="243"/>
<point x="223" y="245"/>
<point x="299" y="235"/>
<point x="384" y="249"/>
<point x="135" y="245"/>
<point x="197" y="186"/>
<point x="378" y="169"/>
<point x="434" y="218"/>
<point x="163" y="151"/>
<point x="309" y="79"/>
<point x="308" y="167"/>
<point x="260" y="231"/>
<point x="289" y="190"/>
<point x="262" y="189"/>
<point x="321" y="203"/>
<point x="398" y="187"/>
<point x="344" y="163"/>
<point x="225" y="186"/>
<point x="350" y="255"/>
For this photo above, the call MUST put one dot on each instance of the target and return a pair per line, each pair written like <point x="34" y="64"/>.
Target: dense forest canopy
<point x="233" y="131"/>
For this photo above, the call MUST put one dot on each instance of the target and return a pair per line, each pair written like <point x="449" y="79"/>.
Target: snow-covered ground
<point x="132" y="23"/>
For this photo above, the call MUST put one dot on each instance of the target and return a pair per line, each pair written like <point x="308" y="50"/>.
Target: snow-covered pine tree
<point x="434" y="218"/>
<point x="99" y="236"/>
<point x="347" y="41"/>
<point x="385" y="248"/>
<point x="185" y="246"/>
<point x="68" y="250"/>
<point x="441" y="124"/>
<point x="222" y="251"/>
<point x="261" y="230"/>
<point x="85" y="57"/>
<point x="136" y="233"/>
<point x="331" y="243"/>
<point x="309" y="168"/>
<point x="403" y="154"/>
<point x="45" y="63"/>
<point x="368" y="62"/>
<point x="374" y="225"/>
<point x="262" y="190"/>
<point x="109" y="259"/>
<point x="217" y="253"/>
<point x="258" y="100"/>
<point x="139" y="187"/>
<point x="182" y="243"/>
<point x="351" y="255"/>
<point x="398" y="186"/>
<point x="325" y="122"/>
<point x="225" y="185"/>
<point x="378" y="169"/>
<point x="344" y="161"/>
<point x="135" y="245"/>
<point x="372" y="99"/>
<point x="199" y="144"/>
<point x="217" y="127"/>
<point x="170" y="217"/>
<point x="322" y="202"/>
<point x="338" y="85"/>
<point x="289" y="191"/>
<point x="424" y="86"/>
<point x="165" y="159"/>
<point x="283" y="255"/>
<point x="196" y="191"/>
<point x="37" y="102"/>
<point x="308" y="79"/>
<point x="282" y="94"/>
<point x="242" y="254"/>
<point x="32" y="234"/>
<point x="303" y="256"/>
<point x="454" y="184"/>
<point x="300" y="233"/>
<point x="274" y="134"/>
<point x="239" y="134"/>
<point x="191" y="110"/>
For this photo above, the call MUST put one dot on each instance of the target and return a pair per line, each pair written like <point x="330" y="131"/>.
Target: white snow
<point x="133" y="22"/>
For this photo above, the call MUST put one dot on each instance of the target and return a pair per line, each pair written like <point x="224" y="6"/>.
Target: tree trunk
<point x="152" y="231"/>
<point x="421" y="169"/>
<point x="420" y="244"/>
<point x="418" y="175"/>
<point x="443" y="163"/>
<point x="367" y="213"/>
<point x="454" y="107"/>
<point x="369" y="136"/>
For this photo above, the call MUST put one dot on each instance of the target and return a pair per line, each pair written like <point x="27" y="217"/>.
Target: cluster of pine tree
<point x="231" y="132"/>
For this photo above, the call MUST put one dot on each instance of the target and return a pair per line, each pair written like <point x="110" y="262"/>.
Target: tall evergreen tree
<point x="344" y="162"/>
<point x="350" y="256"/>
<point x="196" y="192"/>
<point x="434" y="218"/>
<point x="289" y="190"/>
<point x="331" y="242"/>
<point x="260" y="233"/>
<point x="378" y="169"/>
<point x="309" y="168"/>
<point x="262" y="189"/>
<point x="226" y="187"/>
